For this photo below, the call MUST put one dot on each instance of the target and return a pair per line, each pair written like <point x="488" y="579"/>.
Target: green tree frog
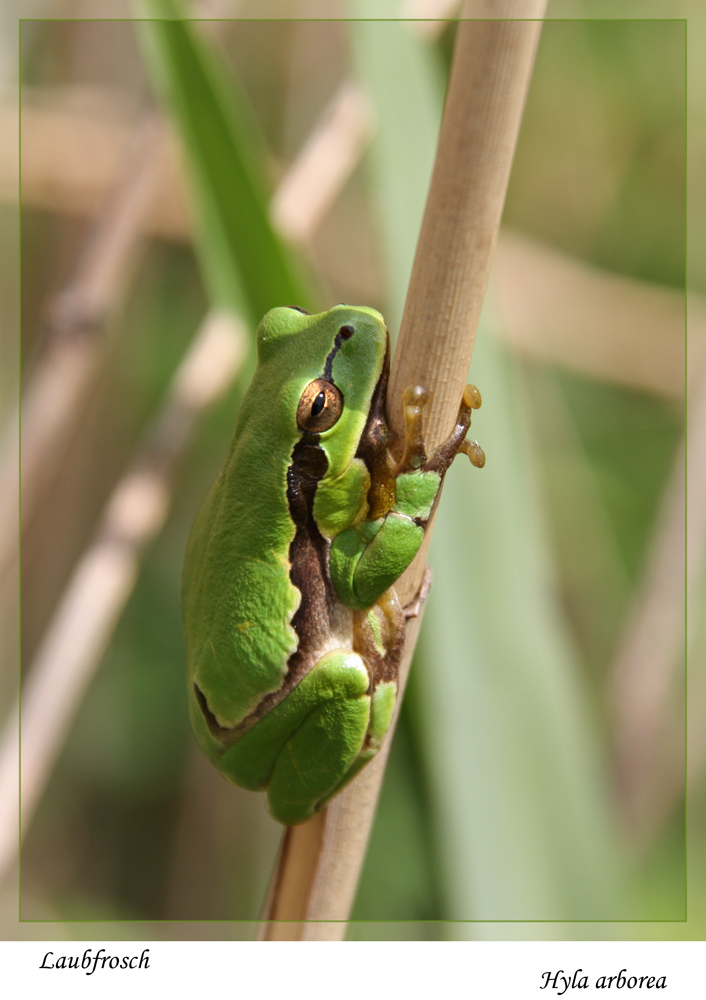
<point x="293" y="629"/>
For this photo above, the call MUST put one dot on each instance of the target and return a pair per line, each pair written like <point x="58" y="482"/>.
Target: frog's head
<point x="326" y="367"/>
<point x="318" y="338"/>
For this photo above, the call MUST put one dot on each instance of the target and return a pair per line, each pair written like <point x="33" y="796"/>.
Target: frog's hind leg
<point x="382" y="708"/>
<point x="316" y="758"/>
<point x="302" y="748"/>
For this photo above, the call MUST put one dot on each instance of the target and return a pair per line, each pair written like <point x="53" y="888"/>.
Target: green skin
<point x="293" y="631"/>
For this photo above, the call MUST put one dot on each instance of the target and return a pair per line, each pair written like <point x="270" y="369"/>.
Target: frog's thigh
<point x="392" y="549"/>
<point x="340" y="674"/>
<point x="381" y="711"/>
<point x="322" y="749"/>
<point x="382" y="561"/>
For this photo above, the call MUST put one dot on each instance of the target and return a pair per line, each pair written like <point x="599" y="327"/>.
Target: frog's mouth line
<point x="219" y="732"/>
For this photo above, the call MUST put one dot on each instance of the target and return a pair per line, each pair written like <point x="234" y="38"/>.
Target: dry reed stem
<point x="489" y="80"/>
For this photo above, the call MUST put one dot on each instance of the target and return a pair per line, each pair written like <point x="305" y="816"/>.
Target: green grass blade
<point x="245" y="263"/>
<point x="405" y="83"/>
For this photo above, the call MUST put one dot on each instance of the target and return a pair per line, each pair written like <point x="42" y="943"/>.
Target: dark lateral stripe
<point x="343" y="334"/>
<point x="308" y="558"/>
<point x="308" y="465"/>
<point x="218" y="731"/>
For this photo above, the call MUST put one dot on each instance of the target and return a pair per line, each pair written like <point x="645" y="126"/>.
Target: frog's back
<point x="237" y="597"/>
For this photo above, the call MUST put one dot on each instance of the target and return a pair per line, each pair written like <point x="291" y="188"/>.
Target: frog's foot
<point x="378" y="636"/>
<point x="311" y="743"/>
<point x="416" y="399"/>
<point x="443" y="456"/>
<point x="389" y="604"/>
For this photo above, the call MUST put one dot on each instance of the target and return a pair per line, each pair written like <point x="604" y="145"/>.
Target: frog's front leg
<point x="367" y="558"/>
<point x="315" y="739"/>
<point x="415" y="400"/>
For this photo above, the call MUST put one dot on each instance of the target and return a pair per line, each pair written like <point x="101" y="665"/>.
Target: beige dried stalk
<point x="317" y="873"/>
<point x="78" y="317"/>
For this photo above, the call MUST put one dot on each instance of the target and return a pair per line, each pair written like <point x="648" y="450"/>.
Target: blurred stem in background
<point x="96" y="594"/>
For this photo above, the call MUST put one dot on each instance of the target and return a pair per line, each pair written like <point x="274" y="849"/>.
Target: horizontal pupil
<point x="318" y="404"/>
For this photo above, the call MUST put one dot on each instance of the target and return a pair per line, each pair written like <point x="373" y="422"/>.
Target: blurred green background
<point x="503" y="800"/>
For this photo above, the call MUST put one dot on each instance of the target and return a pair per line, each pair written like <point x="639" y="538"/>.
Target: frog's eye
<point x="320" y="406"/>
